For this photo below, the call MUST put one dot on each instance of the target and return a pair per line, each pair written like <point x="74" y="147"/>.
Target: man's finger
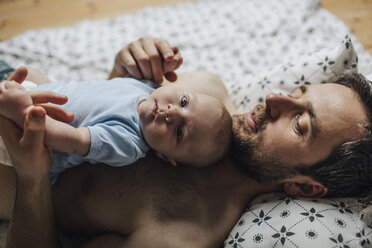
<point x="155" y="60"/>
<point x="175" y="49"/>
<point x="165" y="49"/>
<point x="19" y="75"/>
<point x="34" y="128"/>
<point x="47" y="96"/>
<point x="128" y="63"/>
<point x="179" y="60"/>
<point x="171" y="76"/>
<point x="142" y="59"/>
<point x="173" y="64"/>
<point x="57" y="113"/>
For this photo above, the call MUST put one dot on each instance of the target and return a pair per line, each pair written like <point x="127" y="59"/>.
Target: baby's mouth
<point x="154" y="110"/>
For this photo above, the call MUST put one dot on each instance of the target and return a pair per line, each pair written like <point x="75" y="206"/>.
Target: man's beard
<point x="248" y="150"/>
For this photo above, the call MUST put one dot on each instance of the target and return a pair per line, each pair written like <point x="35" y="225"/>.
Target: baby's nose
<point x="164" y="115"/>
<point x="172" y="113"/>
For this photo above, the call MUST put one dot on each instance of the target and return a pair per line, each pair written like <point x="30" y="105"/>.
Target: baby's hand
<point x="43" y="98"/>
<point x="148" y="58"/>
<point x="14" y="101"/>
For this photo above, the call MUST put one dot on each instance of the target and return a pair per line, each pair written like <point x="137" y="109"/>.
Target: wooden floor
<point x="17" y="16"/>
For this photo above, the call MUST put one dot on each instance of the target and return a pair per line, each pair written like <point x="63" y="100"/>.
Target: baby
<point x="116" y="121"/>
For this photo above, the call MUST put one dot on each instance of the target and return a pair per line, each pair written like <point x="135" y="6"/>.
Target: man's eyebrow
<point x="313" y="122"/>
<point x="313" y="118"/>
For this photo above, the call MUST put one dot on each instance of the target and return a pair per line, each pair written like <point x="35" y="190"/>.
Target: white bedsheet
<point x="228" y="37"/>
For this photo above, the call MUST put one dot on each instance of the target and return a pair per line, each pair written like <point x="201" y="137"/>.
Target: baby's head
<point x="185" y="127"/>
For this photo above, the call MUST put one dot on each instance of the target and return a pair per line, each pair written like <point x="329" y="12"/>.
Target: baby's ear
<point x="170" y="160"/>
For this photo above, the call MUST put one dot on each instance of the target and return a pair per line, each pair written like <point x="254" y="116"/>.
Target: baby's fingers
<point x="47" y="96"/>
<point x="57" y="113"/>
<point x="19" y="75"/>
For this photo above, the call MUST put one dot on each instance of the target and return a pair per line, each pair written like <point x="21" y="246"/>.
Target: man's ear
<point x="170" y="160"/>
<point x="305" y="187"/>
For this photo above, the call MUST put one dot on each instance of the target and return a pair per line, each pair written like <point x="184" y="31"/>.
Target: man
<point x="152" y="204"/>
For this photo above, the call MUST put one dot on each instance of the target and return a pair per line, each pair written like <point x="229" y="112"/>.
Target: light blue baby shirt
<point x="109" y="109"/>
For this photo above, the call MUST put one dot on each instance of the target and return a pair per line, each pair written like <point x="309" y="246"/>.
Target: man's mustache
<point x="241" y="125"/>
<point x="260" y="117"/>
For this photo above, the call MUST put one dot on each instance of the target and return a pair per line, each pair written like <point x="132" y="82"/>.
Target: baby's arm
<point x="15" y="102"/>
<point x="66" y="138"/>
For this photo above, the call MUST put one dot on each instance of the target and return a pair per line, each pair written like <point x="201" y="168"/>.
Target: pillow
<point x="321" y="67"/>
<point x="275" y="220"/>
<point x="369" y="77"/>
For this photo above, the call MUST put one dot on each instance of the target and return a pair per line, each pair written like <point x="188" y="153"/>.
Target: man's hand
<point x="31" y="158"/>
<point x="32" y="224"/>
<point x="148" y="58"/>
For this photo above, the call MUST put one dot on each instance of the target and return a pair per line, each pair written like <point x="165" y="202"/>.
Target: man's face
<point x="180" y="124"/>
<point x="301" y="129"/>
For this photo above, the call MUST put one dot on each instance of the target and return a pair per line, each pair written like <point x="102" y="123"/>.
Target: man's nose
<point x="278" y="104"/>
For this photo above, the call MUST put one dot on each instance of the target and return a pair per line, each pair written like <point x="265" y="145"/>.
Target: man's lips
<point x="251" y="120"/>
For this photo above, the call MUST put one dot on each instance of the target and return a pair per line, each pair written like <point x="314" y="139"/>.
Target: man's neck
<point x="223" y="176"/>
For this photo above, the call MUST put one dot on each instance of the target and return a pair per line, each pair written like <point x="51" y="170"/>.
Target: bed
<point x="256" y="47"/>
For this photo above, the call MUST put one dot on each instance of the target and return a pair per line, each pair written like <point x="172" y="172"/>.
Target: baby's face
<point x="179" y="124"/>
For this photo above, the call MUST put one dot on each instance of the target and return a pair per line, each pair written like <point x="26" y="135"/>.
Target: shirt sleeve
<point x="115" y="144"/>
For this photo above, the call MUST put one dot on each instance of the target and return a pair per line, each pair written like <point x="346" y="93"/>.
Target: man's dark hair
<point x="348" y="170"/>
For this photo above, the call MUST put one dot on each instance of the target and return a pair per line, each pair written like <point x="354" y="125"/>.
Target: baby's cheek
<point x="153" y="134"/>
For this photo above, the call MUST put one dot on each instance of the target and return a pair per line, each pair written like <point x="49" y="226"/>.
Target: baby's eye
<point x="179" y="133"/>
<point x="183" y="101"/>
